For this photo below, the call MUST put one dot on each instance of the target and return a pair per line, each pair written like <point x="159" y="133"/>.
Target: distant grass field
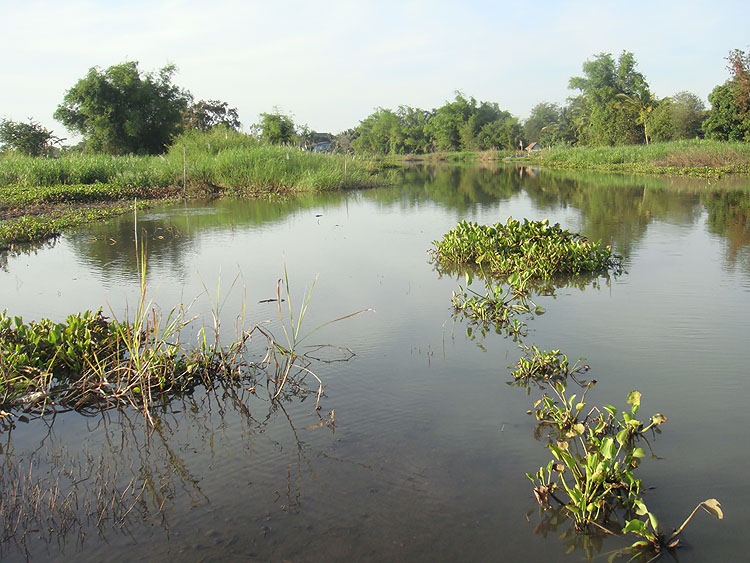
<point x="39" y="197"/>
<point x="701" y="158"/>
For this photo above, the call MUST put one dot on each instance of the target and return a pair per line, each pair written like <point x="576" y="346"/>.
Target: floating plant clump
<point x="534" y="249"/>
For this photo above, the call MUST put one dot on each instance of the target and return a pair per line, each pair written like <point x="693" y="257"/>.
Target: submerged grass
<point x="698" y="157"/>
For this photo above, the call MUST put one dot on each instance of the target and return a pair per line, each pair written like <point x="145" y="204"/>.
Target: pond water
<point x="420" y="448"/>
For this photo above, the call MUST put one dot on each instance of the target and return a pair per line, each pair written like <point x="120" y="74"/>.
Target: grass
<point x="700" y="158"/>
<point x="40" y="197"/>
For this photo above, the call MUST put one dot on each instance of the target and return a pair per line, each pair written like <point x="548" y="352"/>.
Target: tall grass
<point x="681" y="157"/>
<point x="219" y="158"/>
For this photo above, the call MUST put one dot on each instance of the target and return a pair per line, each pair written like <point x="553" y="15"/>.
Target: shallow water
<point x="427" y="457"/>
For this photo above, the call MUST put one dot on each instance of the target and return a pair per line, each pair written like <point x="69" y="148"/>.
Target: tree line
<point x="122" y="110"/>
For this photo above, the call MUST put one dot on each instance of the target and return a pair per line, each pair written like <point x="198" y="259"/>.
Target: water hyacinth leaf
<point x="640" y="508"/>
<point x="608" y="448"/>
<point x="654" y="521"/>
<point x="634" y="398"/>
<point x="622" y="436"/>
<point x="639" y="453"/>
<point x="610" y="409"/>
<point x="658" y="418"/>
<point x="635" y="527"/>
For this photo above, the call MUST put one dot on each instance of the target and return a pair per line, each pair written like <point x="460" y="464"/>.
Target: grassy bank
<point x="699" y="158"/>
<point x="40" y="197"/>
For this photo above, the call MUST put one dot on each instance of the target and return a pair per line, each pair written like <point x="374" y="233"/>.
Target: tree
<point x="444" y="127"/>
<point x="729" y="117"/>
<point x="380" y="133"/>
<point x="615" y="98"/>
<point x="121" y="111"/>
<point x="28" y="138"/>
<point x="276" y="128"/>
<point x="721" y="123"/>
<point x="688" y="112"/>
<point x="203" y="115"/>
<point x="549" y="124"/>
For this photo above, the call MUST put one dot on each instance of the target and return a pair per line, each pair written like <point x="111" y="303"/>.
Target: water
<point x="428" y="450"/>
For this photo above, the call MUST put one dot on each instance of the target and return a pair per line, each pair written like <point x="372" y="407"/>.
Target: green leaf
<point x="638" y="452"/>
<point x="635" y="527"/>
<point x="658" y="419"/>
<point x="634" y="398"/>
<point x="622" y="436"/>
<point x="608" y="448"/>
<point x="654" y="521"/>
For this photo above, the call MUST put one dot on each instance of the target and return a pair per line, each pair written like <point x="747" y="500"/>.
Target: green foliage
<point x="688" y="157"/>
<point x="203" y="115"/>
<point x="497" y="307"/>
<point x="596" y="451"/>
<point x="41" y="196"/>
<point x="461" y="125"/>
<point x="120" y="111"/>
<point x="606" y="84"/>
<point x="533" y="249"/>
<point x="549" y="124"/>
<point x="729" y="117"/>
<point x="276" y="129"/>
<point x="29" y="138"/>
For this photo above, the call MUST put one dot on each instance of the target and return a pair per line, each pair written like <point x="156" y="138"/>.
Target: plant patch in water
<point x="595" y="451"/>
<point x="496" y="308"/>
<point x="90" y="362"/>
<point x="533" y="249"/>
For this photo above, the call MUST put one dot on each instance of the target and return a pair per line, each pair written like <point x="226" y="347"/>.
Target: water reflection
<point x="614" y="208"/>
<point x="425" y="454"/>
<point x="125" y="472"/>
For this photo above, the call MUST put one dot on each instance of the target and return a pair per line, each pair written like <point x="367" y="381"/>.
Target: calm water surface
<point x="427" y="457"/>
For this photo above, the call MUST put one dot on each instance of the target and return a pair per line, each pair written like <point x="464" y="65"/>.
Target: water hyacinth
<point x="535" y="249"/>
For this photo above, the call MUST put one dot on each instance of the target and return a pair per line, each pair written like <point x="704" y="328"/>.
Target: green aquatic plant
<point x="533" y="249"/>
<point x="596" y="452"/>
<point x="655" y="541"/>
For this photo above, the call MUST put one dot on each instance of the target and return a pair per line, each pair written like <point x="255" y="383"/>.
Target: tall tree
<point x="729" y="117"/>
<point x="614" y="95"/>
<point x="120" y="110"/>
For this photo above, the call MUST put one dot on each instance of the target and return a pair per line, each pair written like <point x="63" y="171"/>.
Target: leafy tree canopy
<point x="276" y="128"/>
<point x="616" y="100"/>
<point x="120" y="110"/>
<point x="28" y="138"/>
<point x="203" y="115"/>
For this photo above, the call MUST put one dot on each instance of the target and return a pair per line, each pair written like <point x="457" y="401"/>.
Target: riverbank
<point x="697" y="158"/>
<point x="41" y="197"/>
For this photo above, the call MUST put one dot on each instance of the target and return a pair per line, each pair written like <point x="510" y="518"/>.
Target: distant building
<point x="325" y="146"/>
<point x="533" y="147"/>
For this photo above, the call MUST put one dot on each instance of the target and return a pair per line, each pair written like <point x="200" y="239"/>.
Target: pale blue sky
<point x="330" y="64"/>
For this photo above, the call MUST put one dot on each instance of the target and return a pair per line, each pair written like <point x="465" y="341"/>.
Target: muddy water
<point x="425" y="454"/>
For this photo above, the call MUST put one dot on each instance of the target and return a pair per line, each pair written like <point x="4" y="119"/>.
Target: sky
<point x="329" y="64"/>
